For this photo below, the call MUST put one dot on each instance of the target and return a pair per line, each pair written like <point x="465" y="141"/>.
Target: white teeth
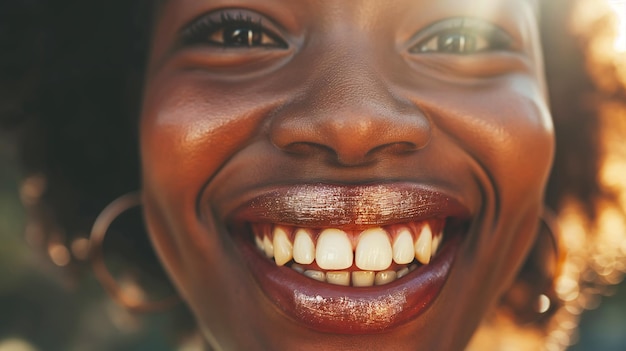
<point x="338" y="278"/>
<point x="363" y="278"/>
<point x="317" y="275"/>
<point x="385" y="277"/>
<point x="283" y="250"/>
<point x="423" y="244"/>
<point x="334" y="250"/>
<point x="268" y="247"/>
<point x="373" y="252"/>
<point x="436" y="242"/>
<point x="401" y="273"/>
<point x="403" y="251"/>
<point x="303" y="247"/>
<point x="259" y="243"/>
<point x="298" y="268"/>
<point x="358" y="278"/>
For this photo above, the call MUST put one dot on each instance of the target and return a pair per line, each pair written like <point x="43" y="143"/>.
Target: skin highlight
<point x="347" y="102"/>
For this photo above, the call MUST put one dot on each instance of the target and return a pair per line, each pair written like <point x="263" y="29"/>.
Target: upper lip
<point x="349" y="206"/>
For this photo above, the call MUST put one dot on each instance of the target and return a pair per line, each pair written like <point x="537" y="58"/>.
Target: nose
<point x="351" y="115"/>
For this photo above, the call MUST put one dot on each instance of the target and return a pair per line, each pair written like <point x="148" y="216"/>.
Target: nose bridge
<point x="347" y="108"/>
<point x="346" y="82"/>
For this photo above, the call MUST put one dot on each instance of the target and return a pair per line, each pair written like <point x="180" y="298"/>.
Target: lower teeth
<point x="355" y="278"/>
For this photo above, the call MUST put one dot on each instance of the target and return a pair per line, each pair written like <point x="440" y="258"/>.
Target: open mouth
<point x="358" y="258"/>
<point x="350" y="259"/>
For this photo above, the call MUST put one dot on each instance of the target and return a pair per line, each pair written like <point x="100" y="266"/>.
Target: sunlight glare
<point x="619" y="6"/>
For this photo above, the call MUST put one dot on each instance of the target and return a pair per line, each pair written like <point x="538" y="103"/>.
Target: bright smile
<point x="350" y="259"/>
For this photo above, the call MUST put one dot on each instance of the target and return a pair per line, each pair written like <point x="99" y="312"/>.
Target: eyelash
<point x="229" y="30"/>
<point x="463" y="37"/>
<point x="459" y="36"/>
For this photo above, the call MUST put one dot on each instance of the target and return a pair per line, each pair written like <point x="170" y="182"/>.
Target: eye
<point x="232" y="30"/>
<point x="455" y="43"/>
<point x="463" y="37"/>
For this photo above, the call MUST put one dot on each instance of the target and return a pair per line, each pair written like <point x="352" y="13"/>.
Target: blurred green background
<point x="42" y="309"/>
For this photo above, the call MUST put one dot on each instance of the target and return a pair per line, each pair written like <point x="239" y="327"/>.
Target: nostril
<point x="306" y="148"/>
<point x="397" y="148"/>
<point x="329" y="155"/>
<point x="351" y="144"/>
<point x="350" y="132"/>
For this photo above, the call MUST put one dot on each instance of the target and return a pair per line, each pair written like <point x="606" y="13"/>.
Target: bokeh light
<point x="619" y="6"/>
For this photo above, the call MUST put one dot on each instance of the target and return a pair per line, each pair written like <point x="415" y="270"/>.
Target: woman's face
<point x="396" y="150"/>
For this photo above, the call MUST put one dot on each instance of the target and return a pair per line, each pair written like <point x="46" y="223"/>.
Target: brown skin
<point x="345" y="102"/>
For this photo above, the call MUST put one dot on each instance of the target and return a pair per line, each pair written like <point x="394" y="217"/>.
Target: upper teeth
<point x="333" y="250"/>
<point x="303" y="247"/>
<point x="373" y="253"/>
<point x="336" y="250"/>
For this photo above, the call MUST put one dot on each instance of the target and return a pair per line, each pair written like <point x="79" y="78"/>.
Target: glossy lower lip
<point x="348" y="310"/>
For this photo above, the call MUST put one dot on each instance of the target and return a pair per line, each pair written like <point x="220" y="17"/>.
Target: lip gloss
<point x="349" y="206"/>
<point x="343" y="309"/>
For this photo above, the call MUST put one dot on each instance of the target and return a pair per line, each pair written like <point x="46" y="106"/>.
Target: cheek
<point x="189" y="129"/>
<point x="507" y="131"/>
<point x="179" y="128"/>
<point x="187" y="132"/>
<point x="521" y="148"/>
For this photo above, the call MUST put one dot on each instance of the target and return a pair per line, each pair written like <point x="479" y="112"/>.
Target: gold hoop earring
<point x="548" y="302"/>
<point x="532" y="299"/>
<point x="106" y="279"/>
